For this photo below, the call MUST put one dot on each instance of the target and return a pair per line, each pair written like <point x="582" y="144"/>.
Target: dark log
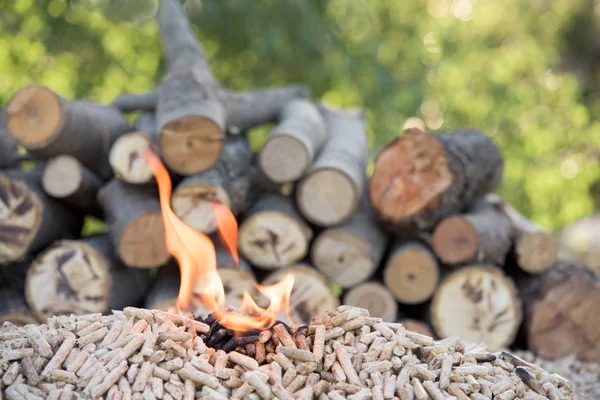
<point x="82" y="277"/>
<point x="411" y="270"/>
<point x="482" y="234"/>
<point x="350" y="253"/>
<point x="312" y="293"/>
<point x="273" y="233"/>
<point x="294" y="143"/>
<point x="421" y="178"/>
<point x="48" y="125"/>
<point x="376" y="298"/>
<point x="477" y="303"/>
<point x="226" y="183"/>
<point x="331" y="190"/>
<point x="124" y="155"/>
<point x="13" y="306"/>
<point x="67" y="180"/>
<point x="32" y="219"/>
<point x="536" y="251"/>
<point x="9" y="152"/>
<point x="135" y="225"/>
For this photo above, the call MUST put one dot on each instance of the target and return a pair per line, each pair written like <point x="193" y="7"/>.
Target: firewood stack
<point x="423" y="240"/>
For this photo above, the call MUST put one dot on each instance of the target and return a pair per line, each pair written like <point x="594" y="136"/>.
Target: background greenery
<point x="522" y="71"/>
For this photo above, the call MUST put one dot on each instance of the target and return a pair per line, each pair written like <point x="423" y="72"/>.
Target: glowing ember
<point x="197" y="260"/>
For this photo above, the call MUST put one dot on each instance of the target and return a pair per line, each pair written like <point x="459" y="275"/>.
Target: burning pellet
<point x="61" y="354"/>
<point x="530" y="380"/>
<point x="242" y="360"/>
<point x="37" y="340"/>
<point x="284" y="336"/>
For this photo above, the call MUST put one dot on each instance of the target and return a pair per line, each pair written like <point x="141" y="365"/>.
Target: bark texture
<point x="13" y="306"/>
<point x="9" y="155"/>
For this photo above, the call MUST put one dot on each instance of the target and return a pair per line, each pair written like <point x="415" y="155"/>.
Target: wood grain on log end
<point x="125" y="161"/>
<point x="376" y="298"/>
<point x="536" y="252"/>
<point x="477" y="303"/>
<point x="192" y="202"/>
<point x="312" y="293"/>
<point x="273" y="234"/>
<point x="414" y="325"/>
<point x="455" y="240"/>
<point x="411" y="272"/>
<point x="142" y="242"/>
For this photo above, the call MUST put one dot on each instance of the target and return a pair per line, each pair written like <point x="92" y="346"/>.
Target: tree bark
<point x="421" y="178"/>
<point x="477" y="303"/>
<point x="376" y="298"/>
<point x="124" y="156"/>
<point x="294" y="143"/>
<point x="411" y="270"/>
<point x="350" y="253"/>
<point x="226" y="183"/>
<point x="134" y="219"/>
<point x="273" y="234"/>
<point x="312" y="293"/>
<point x="9" y="152"/>
<point x="31" y="219"/>
<point x="482" y="234"/>
<point x="48" y="125"/>
<point x="67" y="180"/>
<point x="82" y="277"/>
<point x="333" y="187"/>
<point x="536" y="251"/>
<point x="13" y="306"/>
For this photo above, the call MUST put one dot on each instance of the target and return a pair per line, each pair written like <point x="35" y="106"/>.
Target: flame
<point x="197" y="259"/>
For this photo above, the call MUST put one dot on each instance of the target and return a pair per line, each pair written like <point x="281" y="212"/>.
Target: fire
<point x="196" y="256"/>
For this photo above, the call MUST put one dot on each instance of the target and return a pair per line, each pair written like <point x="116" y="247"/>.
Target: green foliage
<point x="518" y="70"/>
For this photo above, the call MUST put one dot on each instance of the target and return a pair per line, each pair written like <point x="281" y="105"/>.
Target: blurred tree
<point x="506" y="67"/>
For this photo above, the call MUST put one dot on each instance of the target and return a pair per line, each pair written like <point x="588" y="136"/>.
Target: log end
<point x="327" y="197"/>
<point x="125" y="161"/>
<point x="376" y="298"/>
<point x="191" y="144"/>
<point x="284" y="159"/>
<point x="193" y="204"/>
<point x="415" y="325"/>
<point x="21" y="213"/>
<point x="477" y="303"/>
<point x="536" y="252"/>
<point x="34" y="115"/>
<point x="62" y="176"/>
<point x="455" y="240"/>
<point x="410" y="175"/>
<point x="142" y="243"/>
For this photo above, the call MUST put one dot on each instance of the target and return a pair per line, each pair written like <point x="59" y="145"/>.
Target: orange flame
<point x="197" y="259"/>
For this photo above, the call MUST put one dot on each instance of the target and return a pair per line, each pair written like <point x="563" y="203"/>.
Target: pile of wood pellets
<point x="345" y="354"/>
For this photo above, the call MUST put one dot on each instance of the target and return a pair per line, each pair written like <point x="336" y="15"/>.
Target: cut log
<point x="415" y="325"/>
<point x="421" y="178"/>
<point x="124" y="155"/>
<point x="13" y="306"/>
<point x="561" y="313"/>
<point x="331" y="190"/>
<point x="30" y="219"/>
<point x="245" y="110"/>
<point x="134" y="219"/>
<point x="477" y="303"/>
<point x="48" y="125"/>
<point x="312" y="294"/>
<point x="294" y="143"/>
<point x="67" y="180"/>
<point x="190" y="109"/>
<point x="579" y="243"/>
<point x="9" y="152"/>
<point x="273" y="234"/>
<point x="226" y="183"/>
<point x="376" y="298"/>
<point x="350" y="253"/>
<point x="82" y="277"/>
<point x="411" y="271"/>
<point x="536" y="251"/>
<point x="483" y="234"/>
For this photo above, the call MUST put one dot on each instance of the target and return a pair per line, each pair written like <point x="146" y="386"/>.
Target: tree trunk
<point x="312" y="293"/>
<point x="31" y="219"/>
<point x="421" y="178"/>
<point x="124" y="156"/>
<point x="332" y="189"/>
<point x="477" y="303"/>
<point x="67" y="180"/>
<point x="350" y="253"/>
<point x="411" y="271"/>
<point x="48" y="125"/>
<point x="376" y="298"/>
<point x="82" y="277"/>
<point x="9" y="152"/>
<point x="294" y="143"/>
<point x="536" y="251"/>
<point x="273" y="234"/>
<point x="482" y="234"/>
<point x="226" y="183"/>
<point x="13" y="306"/>
<point x="561" y="313"/>
<point x="134" y="219"/>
